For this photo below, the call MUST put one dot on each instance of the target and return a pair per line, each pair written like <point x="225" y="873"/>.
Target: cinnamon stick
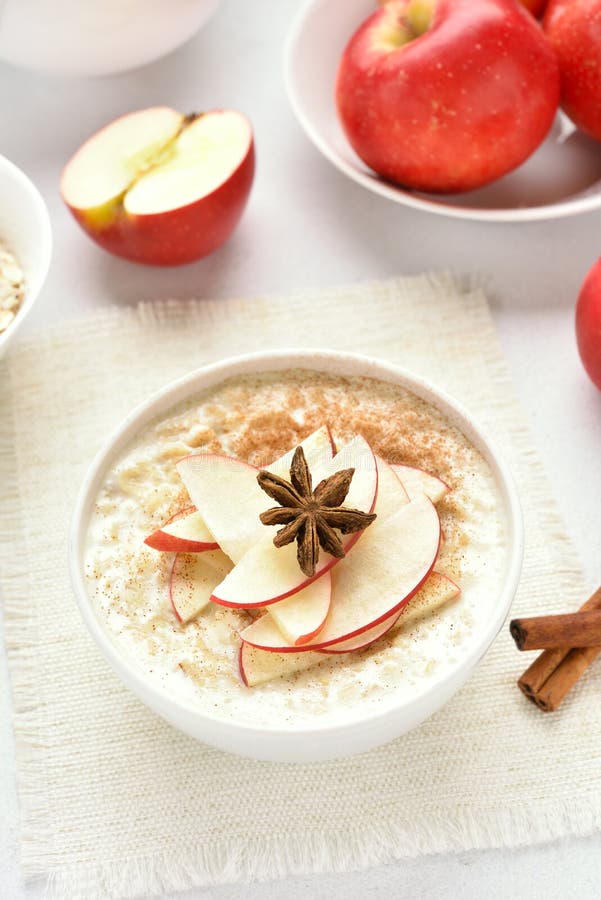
<point x="552" y="674"/>
<point x="565" y="677"/>
<point x="579" y="629"/>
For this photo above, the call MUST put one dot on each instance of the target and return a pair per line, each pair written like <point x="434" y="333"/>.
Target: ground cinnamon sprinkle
<point x="406" y="433"/>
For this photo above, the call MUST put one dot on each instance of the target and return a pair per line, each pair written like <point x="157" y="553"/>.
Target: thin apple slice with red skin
<point x="385" y="570"/>
<point x="226" y="492"/>
<point x="161" y="188"/>
<point x="391" y="491"/>
<point x="301" y="616"/>
<point x="366" y="638"/>
<point x="193" y="578"/>
<point x="417" y="482"/>
<point x="185" y="532"/>
<point x="259" y="666"/>
<point x="436" y="591"/>
<point x="267" y="574"/>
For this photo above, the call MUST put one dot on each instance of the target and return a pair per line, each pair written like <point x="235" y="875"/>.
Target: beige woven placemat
<point x="116" y="803"/>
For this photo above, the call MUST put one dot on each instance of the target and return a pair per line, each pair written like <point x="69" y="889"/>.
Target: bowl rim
<point x="45" y="237"/>
<point x="576" y="205"/>
<point x="272" y="361"/>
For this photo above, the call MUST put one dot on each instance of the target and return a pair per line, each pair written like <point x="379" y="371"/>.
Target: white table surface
<point x="306" y="225"/>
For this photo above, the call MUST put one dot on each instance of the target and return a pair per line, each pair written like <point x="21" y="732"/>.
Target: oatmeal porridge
<point x="12" y="287"/>
<point x="256" y="419"/>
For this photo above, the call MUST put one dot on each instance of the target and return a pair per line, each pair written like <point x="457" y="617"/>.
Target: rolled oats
<point x="12" y="287"/>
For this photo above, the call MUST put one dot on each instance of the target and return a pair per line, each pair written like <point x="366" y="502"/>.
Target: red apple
<point x="536" y="7"/>
<point x="588" y="323"/>
<point x="574" y="29"/>
<point x="447" y="95"/>
<point x="161" y="188"/>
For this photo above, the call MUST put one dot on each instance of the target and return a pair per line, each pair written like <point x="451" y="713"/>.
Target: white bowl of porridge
<point x="25" y="248"/>
<point x="301" y="651"/>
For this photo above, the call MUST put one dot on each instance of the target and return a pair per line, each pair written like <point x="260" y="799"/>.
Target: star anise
<point x="311" y="517"/>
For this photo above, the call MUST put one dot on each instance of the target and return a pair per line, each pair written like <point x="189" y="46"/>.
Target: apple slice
<point x="226" y="493"/>
<point x="391" y="491"/>
<point x="319" y="450"/>
<point x="301" y="616"/>
<point x="258" y="666"/>
<point x="266" y="573"/>
<point x="193" y="579"/>
<point x="385" y="570"/>
<point x="228" y="497"/>
<point x="360" y="641"/>
<point x="437" y="590"/>
<point x="417" y="482"/>
<point x="161" y="188"/>
<point x="185" y="532"/>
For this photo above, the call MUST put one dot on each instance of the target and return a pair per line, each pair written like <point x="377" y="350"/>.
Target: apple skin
<point x="588" y="323"/>
<point x="459" y="106"/>
<point x="574" y="30"/>
<point x="536" y="7"/>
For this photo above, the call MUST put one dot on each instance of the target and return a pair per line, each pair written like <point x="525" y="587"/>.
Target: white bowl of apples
<point x="332" y="736"/>
<point x="498" y="167"/>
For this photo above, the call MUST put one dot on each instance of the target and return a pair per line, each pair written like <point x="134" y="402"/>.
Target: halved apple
<point x="417" y="482"/>
<point x="161" y="188"/>
<point x="301" y="616"/>
<point x="388" y="566"/>
<point x="185" y="532"/>
<point x="267" y="574"/>
<point x="227" y="495"/>
<point x="193" y="579"/>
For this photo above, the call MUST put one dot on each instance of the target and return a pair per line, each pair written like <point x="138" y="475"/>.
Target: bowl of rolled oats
<point x="25" y="248"/>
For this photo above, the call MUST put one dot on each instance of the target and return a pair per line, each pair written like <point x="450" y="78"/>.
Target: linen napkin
<point x="114" y="802"/>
